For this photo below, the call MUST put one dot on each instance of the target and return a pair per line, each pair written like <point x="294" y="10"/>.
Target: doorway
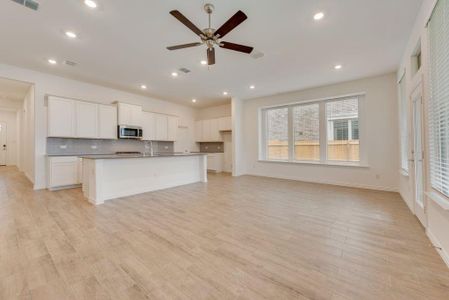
<point x="418" y="154"/>
<point x="3" y="145"/>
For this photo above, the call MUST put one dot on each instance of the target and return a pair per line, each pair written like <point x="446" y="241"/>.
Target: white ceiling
<point x="13" y="90"/>
<point x="122" y="44"/>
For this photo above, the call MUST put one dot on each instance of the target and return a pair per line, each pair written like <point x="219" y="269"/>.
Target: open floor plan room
<point x="221" y="149"/>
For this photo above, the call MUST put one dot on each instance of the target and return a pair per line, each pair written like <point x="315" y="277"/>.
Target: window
<point x="306" y="128"/>
<point x="439" y="98"/>
<point x="277" y="133"/>
<point x="319" y="131"/>
<point x="403" y="124"/>
<point x="343" y="130"/>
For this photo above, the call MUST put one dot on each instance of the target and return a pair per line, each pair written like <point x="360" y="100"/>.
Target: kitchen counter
<point x="121" y="156"/>
<point x="107" y="177"/>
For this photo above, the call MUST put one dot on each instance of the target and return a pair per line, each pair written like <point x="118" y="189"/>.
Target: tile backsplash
<point x="63" y="146"/>
<point x="216" y="147"/>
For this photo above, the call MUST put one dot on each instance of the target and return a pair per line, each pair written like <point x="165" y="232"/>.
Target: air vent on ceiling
<point x="184" y="70"/>
<point x="34" y="5"/>
<point x="70" y="63"/>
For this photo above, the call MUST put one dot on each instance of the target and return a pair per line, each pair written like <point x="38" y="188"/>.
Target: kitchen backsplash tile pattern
<point x="63" y="146"/>
<point x="216" y="147"/>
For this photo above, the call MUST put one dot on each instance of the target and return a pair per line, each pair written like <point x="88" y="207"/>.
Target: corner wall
<point x="378" y="116"/>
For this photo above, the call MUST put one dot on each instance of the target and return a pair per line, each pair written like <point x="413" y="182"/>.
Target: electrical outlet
<point x="93" y="147"/>
<point x="62" y="146"/>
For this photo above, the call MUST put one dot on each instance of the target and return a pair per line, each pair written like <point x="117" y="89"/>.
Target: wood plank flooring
<point x="233" y="238"/>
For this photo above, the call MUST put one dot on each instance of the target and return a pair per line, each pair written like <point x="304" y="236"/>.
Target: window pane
<point x="343" y="130"/>
<point x="277" y="134"/>
<point x="306" y="128"/>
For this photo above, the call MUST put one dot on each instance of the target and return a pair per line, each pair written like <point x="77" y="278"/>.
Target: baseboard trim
<point x="444" y="255"/>
<point x="337" y="183"/>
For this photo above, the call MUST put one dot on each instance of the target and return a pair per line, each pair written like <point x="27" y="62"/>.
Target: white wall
<point x="378" y="116"/>
<point x="437" y="217"/>
<point x="10" y="118"/>
<point x="45" y="84"/>
<point x="214" y="112"/>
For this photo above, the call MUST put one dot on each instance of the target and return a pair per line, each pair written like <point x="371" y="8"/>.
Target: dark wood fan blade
<point x="211" y="56"/>
<point x="236" y="47"/>
<point x="186" y="22"/>
<point x="184" y="46"/>
<point x="230" y="24"/>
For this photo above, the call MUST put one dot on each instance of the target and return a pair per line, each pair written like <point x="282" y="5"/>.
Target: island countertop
<point x="125" y="156"/>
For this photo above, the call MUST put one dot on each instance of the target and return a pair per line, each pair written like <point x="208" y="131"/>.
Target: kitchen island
<point x="107" y="177"/>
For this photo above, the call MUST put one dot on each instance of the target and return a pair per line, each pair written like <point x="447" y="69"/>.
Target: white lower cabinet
<point x="63" y="171"/>
<point x="215" y="162"/>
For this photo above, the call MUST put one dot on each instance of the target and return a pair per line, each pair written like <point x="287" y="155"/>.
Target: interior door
<point x="418" y="154"/>
<point x="3" y="146"/>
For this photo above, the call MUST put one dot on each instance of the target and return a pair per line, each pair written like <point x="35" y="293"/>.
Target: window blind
<point x="439" y="97"/>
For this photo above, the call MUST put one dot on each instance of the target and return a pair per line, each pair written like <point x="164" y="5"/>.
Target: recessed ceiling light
<point x="225" y="93"/>
<point x="318" y="16"/>
<point x="71" y="34"/>
<point x="338" y="67"/>
<point x="52" y="61"/>
<point x="90" y="3"/>
<point x="194" y="100"/>
<point x="252" y="87"/>
<point x="143" y="87"/>
<point x="174" y="74"/>
<point x="203" y="62"/>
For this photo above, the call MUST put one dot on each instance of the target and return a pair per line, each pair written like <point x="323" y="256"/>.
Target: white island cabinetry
<point x="115" y="176"/>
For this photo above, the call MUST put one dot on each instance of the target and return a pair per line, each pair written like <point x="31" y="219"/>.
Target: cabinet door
<point x="87" y="120"/>
<point x="225" y="124"/>
<point x="136" y="115"/>
<point x="199" y="131"/>
<point x="161" y="127"/>
<point x="215" y="135"/>
<point x="149" y="126"/>
<point x="63" y="171"/>
<point x="124" y="114"/>
<point x="172" y="129"/>
<point x="207" y="132"/>
<point x="107" y="122"/>
<point x="61" y="117"/>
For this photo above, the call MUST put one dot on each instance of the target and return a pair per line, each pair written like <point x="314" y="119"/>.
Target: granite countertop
<point x="78" y="155"/>
<point x="122" y="156"/>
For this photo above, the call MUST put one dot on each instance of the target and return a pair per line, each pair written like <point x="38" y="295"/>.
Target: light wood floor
<point x="244" y="238"/>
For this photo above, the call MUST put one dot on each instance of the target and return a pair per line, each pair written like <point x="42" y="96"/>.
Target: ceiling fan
<point x="211" y="37"/>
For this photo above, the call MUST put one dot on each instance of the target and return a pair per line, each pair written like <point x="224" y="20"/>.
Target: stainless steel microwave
<point x="129" y="132"/>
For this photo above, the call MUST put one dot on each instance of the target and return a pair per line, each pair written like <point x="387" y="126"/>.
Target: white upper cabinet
<point x="209" y="130"/>
<point x="225" y="124"/>
<point x="107" y="122"/>
<point x="149" y="126"/>
<point x="129" y="114"/>
<point x="86" y="120"/>
<point x="161" y="127"/>
<point x="61" y="117"/>
<point x="172" y="129"/>
<point x="78" y="119"/>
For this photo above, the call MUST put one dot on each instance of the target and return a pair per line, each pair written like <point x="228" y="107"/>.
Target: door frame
<point x="419" y="211"/>
<point x="6" y="143"/>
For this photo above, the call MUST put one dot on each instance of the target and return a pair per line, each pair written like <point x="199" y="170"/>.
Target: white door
<point x="3" y="146"/>
<point x="418" y="154"/>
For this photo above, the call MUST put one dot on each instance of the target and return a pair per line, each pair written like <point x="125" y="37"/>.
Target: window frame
<point x="323" y="134"/>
